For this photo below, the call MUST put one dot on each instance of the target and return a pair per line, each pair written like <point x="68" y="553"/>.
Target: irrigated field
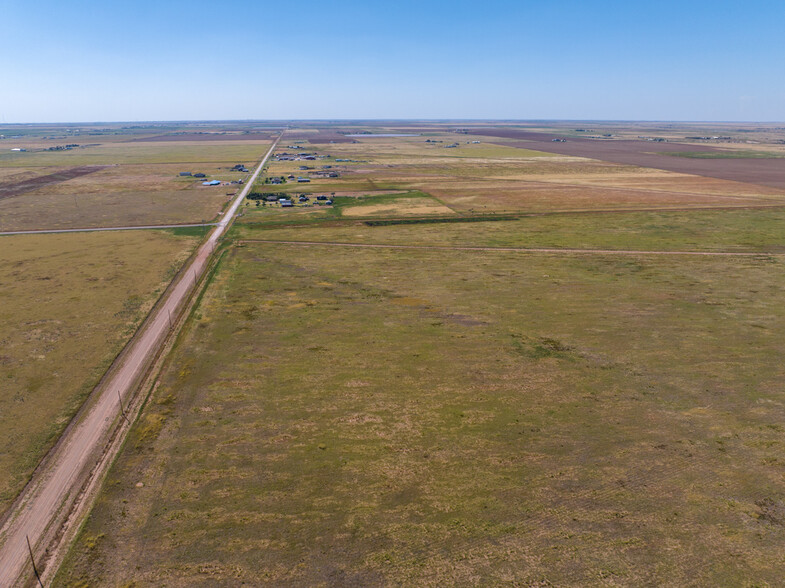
<point x="370" y="417"/>
<point x="68" y="303"/>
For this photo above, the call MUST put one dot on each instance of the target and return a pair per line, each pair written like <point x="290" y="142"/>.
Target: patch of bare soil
<point x="15" y="189"/>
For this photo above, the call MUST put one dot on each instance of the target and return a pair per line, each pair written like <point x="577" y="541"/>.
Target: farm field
<point x="487" y="178"/>
<point x="373" y="391"/>
<point x="374" y="416"/>
<point x="127" y="179"/>
<point x="68" y="304"/>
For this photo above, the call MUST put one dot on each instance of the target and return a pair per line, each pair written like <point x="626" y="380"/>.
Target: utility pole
<point x="122" y="410"/>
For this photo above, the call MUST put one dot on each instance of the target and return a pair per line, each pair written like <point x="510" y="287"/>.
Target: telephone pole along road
<point x="47" y="499"/>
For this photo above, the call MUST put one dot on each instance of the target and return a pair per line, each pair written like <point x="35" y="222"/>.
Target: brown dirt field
<point x="767" y="172"/>
<point x="15" y="189"/>
<point x="204" y="137"/>
<point x="327" y="136"/>
<point x="405" y="206"/>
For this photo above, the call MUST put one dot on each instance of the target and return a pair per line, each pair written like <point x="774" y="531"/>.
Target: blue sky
<point x="77" y="60"/>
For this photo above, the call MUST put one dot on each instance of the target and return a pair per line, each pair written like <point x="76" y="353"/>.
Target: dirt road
<point x="46" y="500"/>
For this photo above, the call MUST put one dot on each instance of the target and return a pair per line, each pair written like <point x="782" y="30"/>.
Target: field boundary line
<point x="515" y="249"/>
<point x="98" y="229"/>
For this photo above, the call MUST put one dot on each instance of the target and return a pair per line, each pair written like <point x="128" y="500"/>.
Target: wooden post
<point x="122" y="410"/>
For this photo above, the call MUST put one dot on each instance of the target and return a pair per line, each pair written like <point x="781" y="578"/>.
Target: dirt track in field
<point x="553" y="250"/>
<point x="765" y="172"/>
<point x="11" y="190"/>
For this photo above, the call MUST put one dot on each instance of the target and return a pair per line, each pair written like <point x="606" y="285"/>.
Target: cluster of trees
<point x="264" y="195"/>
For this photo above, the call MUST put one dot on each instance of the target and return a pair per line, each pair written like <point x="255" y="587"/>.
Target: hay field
<point x="68" y="303"/>
<point x="429" y="418"/>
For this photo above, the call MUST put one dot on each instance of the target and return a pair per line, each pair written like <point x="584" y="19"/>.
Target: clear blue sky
<point x="78" y="60"/>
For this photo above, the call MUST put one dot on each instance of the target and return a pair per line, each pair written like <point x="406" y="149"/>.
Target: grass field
<point x="350" y="416"/>
<point x="693" y="230"/>
<point x="68" y="303"/>
<point x="203" y="152"/>
<point x="140" y="184"/>
<point x="133" y="208"/>
<point x="360" y="417"/>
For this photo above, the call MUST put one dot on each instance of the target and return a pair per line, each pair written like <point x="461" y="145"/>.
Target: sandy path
<point x="46" y="500"/>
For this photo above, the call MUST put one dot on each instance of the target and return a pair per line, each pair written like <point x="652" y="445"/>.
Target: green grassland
<point x="68" y="303"/>
<point x="429" y="418"/>
<point x="701" y="230"/>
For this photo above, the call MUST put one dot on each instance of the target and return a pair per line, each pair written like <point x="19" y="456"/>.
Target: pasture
<point x="423" y="418"/>
<point x="68" y="304"/>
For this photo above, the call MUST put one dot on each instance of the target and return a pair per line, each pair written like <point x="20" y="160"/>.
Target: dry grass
<point x="111" y="209"/>
<point x="68" y="303"/>
<point x="140" y="153"/>
<point x="458" y="418"/>
<point x="141" y="187"/>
